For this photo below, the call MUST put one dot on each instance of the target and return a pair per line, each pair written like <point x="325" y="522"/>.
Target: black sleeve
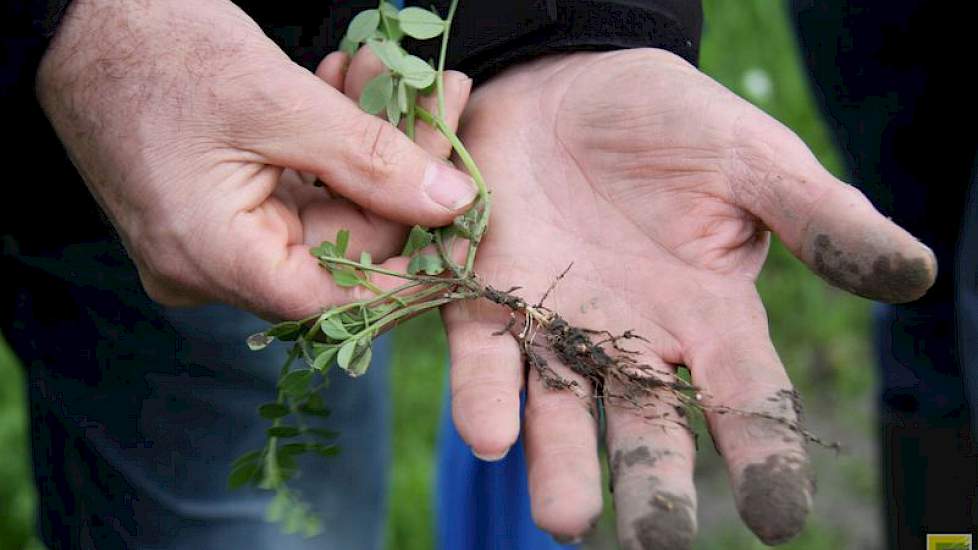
<point x="490" y="36"/>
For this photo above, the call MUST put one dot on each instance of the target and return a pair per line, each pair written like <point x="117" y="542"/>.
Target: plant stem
<point x="473" y="170"/>
<point x="440" y="80"/>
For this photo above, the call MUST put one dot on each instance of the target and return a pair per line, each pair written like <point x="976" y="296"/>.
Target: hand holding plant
<point x="661" y="193"/>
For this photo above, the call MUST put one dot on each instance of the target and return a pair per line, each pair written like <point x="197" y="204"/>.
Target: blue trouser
<point x="483" y="505"/>
<point x="137" y="412"/>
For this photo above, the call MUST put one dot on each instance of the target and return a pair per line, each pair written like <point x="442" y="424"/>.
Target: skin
<point x="197" y="144"/>
<point x="662" y="192"/>
<point x="199" y="138"/>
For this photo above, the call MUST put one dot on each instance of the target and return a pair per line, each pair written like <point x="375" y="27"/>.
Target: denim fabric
<point x="138" y="410"/>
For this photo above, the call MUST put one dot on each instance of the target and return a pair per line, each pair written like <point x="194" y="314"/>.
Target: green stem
<point x="440" y="80"/>
<point x="457" y="146"/>
<point x="404" y="312"/>
<point x="480" y="182"/>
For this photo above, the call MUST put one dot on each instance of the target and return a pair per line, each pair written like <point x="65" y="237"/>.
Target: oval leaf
<point x="426" y="263"/>
<point x="361" y="362"/>
<point x="346" y="278"/>
<point x="296" y="382"/>
<point x="324" y="357"/>
<point x="271" y="411"/>
<point x="348" y="46"/>
<point x="335" y="329"/>
<point x="250" y="456"/>
<point x="346" y="354"/>
<point x="416" y="72"/>
<point x="420" y="23"/>
<point x="377" y="93"/>
<point x="363" y="25"/>
<point x="314" y="406"/>
<point x="283" y="431"/>
<point x="243" y="474"/>
<point x="388" y="10"/>
<point x="389" y="53"/>
<point x="417" y="239"/>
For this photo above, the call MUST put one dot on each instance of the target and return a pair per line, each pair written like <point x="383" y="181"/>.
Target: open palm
<point x="660" y="186"/>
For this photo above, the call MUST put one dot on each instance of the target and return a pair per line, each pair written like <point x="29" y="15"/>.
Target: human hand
<point x="660" y="186"/>
<point x="194" y="132"/>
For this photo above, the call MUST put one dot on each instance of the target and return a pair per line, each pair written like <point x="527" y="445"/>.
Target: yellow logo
<point x="949" y="542"/>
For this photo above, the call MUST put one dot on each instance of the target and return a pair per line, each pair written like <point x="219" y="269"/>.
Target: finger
<point x="651" y="453"/>
<point x="308" y="126"/>
<point x="751" y="409"/>
<point x="332" y="69"/>
<point x="320" y="216"/>
<point x="457" y="89"/>
<point x="828" y="224"/>
<point x="265" y="266"/>
<point x="486" y="376"/>
<point x="561" y="452"/>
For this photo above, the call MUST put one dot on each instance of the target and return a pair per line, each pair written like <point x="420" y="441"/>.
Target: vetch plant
<point x="343" y="335"/>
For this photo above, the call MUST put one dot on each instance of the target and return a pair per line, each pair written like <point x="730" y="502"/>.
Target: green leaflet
<point x="271" y="411"/>
<point x="243" y="474"/>
<point x="283" y="431"/>
<point x="377" y="93"/>
<point x="420" y="23"/>
<point x="295" y="383"/>
<point x="416" y="72"/>
<point x="361" y="362"/>
<point x="389" y="53"/>
<point x="363" y="26"/>
<point x="346" y="277"/>
<point x="426" y="263"/>
<point x="333" y="328"/>
<point x="417" y="239"/>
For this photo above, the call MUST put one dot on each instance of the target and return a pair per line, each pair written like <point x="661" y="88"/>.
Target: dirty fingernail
<point x="775" y="496"/>
<point x="448" y="187"/>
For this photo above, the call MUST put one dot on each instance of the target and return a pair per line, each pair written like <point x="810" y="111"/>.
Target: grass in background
<point x="821" y="333"/>
<point x="16" y="489"/>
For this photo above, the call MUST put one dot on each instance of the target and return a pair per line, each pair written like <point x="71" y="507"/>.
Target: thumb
<point x="826" y="223"/>
<point x="309" y="126"/>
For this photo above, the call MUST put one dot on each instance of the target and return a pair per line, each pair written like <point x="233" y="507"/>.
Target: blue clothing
<point x="484" y="505"/>
<point x="138" y="410"/>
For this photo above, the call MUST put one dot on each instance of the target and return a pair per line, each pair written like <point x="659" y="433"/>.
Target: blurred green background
<point x="822" y="335"/>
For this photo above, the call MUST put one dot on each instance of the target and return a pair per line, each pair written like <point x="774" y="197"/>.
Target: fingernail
<point x="489" y="458"/>
<point x="448" y="187"/>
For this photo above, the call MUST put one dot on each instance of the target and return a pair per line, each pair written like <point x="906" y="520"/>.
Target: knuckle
<point x="378" y="150"/>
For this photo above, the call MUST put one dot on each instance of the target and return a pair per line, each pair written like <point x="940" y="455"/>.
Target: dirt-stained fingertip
<point x="774" y="497"/>
<point x="874" y="272"/>
<point x="669" y="521"/>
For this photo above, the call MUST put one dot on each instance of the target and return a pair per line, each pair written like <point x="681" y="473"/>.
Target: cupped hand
<point x="200" y="139"/>
<point x="661" y="187"/>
